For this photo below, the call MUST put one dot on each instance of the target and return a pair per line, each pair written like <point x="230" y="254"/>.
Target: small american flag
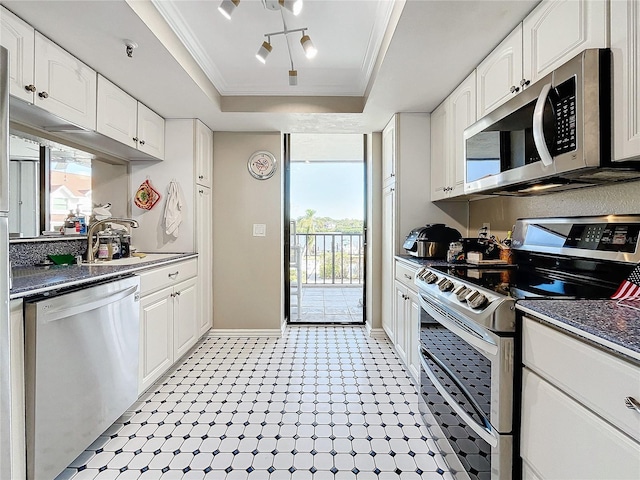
<point x="630" y="288"/>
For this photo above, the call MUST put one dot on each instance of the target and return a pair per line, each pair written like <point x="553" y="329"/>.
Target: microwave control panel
<point x="564" y="106"/>
<point x="609" y="237"/>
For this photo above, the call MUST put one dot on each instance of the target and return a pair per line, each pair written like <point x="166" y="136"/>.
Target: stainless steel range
<point x="469" y="337"/>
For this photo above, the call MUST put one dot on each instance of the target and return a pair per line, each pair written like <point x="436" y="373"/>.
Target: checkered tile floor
<point x="322" y="403"/>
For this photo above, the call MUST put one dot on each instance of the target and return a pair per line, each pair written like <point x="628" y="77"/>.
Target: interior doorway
<point x="325" y="211"/>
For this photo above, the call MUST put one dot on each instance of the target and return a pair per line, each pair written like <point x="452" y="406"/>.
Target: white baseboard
<point x="248" y="332"/>
<point x="377" y="332"/>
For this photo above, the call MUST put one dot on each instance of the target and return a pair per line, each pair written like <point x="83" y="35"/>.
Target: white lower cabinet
<point x="406" y="318"/>
<point x="204" y="234"/>
<point x="168" y="318"/>
<point x="575" y="423"/>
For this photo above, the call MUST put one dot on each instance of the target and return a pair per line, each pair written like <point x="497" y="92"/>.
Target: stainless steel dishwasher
<point x="81" y="361"/>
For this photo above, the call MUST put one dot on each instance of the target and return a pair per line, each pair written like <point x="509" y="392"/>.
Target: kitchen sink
<point x="150" y="257"/>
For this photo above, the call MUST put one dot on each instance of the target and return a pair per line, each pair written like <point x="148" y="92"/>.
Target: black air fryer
<point x="431" y="241"/>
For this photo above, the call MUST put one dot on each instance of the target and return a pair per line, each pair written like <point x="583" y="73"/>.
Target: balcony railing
<point x="328" y="258"/>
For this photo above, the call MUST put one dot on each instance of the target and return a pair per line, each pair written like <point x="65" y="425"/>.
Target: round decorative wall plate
<point x="262" y="165"/>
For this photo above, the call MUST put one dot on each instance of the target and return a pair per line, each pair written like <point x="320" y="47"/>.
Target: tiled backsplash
<point x="31" y="252"/>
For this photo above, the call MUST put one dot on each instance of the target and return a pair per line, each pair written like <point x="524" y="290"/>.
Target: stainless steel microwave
<point x="555" y="135"/>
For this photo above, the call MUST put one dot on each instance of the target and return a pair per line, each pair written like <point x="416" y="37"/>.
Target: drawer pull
<point x="408" y="277"/>
<point x="173" y="275"/>
<point x="632" y="403"/>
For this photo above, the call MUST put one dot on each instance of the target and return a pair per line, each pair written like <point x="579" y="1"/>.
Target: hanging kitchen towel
<point x="146" y="196"/>
<point x="630" y="288"/>
<point x="173" y="209"/>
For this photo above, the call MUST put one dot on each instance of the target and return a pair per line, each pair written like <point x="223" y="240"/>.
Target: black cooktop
<point x="534" y="277"/>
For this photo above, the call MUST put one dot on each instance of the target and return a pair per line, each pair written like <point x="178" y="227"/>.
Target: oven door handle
<point x="483" y="344"/>
<point x="487" y="435"/>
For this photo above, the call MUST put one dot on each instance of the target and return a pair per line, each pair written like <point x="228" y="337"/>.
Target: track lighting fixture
<point x="309" y="48"/>
<point x="293" y="77"/>
<point x="227" y="7"/>
<point x="264" y="51"/>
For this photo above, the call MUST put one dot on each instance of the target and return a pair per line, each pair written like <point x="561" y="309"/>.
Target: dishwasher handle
<point x="50" y="315"/>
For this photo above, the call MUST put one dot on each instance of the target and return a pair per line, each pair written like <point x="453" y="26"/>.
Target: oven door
<point x="480" y="362"/>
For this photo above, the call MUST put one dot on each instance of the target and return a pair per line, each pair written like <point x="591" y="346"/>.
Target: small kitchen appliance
<point x="468" y="328"/>
<point x="431" y="241"/>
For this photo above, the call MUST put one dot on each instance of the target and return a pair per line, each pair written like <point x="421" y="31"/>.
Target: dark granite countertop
<point x="35" y="280"/>
<point x="609" y="323"/>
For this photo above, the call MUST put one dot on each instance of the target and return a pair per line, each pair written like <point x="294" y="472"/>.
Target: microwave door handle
<point x="538" y="132"/>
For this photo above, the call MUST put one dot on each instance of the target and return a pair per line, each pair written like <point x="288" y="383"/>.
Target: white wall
<point x="110" y="184"/>
<point x="178" y="165"/>
<point x="248" y="271"/>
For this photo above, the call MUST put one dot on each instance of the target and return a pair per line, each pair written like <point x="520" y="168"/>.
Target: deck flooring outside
<point x="328" y="304"/>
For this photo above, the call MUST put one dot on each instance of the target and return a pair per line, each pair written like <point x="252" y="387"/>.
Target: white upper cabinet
<point x="65" y="86"/>
<point x="625" y="45"/>
<point x="117" y="113"/>
<point x="204" y="154"/>
<point x="439" y="152"/>
<point x="150" y="132"/>
<point x="448" y="123"/>
<point x="499" y="74"/>
<point x="123" y="118"/>
<point x="389" y="153"/>
<point x="18" y="37"/>
<point x="557" y="30"/>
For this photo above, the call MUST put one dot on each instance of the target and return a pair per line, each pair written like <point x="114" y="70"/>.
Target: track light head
<point x="294" y="6"/>
<point x="227" y="7"/>
<point x="293" y="77"/>
<point x="309" y="48"/>
<point x="264" y="51"/>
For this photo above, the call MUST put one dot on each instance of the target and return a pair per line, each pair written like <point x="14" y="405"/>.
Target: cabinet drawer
<point x="596" y="379"/>
<point x="563" y="440"/>
<point x="405" y="275"/>
<point x="162" y="277"/>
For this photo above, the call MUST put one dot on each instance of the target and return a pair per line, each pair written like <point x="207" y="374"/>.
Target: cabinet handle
<point x="407" y="276"/>
<point x="393" y="174"/>
<point x="632" y="403"/>
<point x="201" y="191"/>
<point x="524" y="82"/>
<point x="141" y="142"/>
<point x="514" y="89"/>
<point x="173" y="275"/>
<point x="200" y="177"/>
<point x="178" y="294"/>
<point x="43" y="95"/>
<point x="135" y="139"/>
<point x="393" y="189"/>
<point x="30" y="88"/>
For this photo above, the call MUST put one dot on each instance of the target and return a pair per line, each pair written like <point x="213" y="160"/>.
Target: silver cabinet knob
<point x="30" y="88"/>
<point x="43" y="95"/>
<point x="135" y="139"/>
<point x="408" y="277"/>
<point x="200" y="177"/>
<point x="514" y="89"/>
<point x="141" y="142"/>
<point x="524" y="82"/>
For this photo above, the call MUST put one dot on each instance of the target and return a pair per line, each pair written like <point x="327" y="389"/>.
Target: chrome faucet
<point x="91" y="248"/>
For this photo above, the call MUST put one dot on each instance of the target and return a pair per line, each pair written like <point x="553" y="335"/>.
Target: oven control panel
<point x="610" y="237"/>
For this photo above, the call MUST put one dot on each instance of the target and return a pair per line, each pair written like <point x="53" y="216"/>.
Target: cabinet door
<point x="439" y="150"/>
<point x="17" y="377"/>
<point x="625" y="45"/>
<point x="185" y="303"/>
<point x="388" y="253"/>
<point x="156" y="336"/>
<point x="557" y="31"/>
<point x="413" y="332"/>
<point x="65" y="86"/>
<point x="401" y="319"/>
<point x="562" y="439"/>
<point x="204" y="235"/>
<point x="462" y="113"/>
<point x="117" y="115"/>
<point x="499" y="72"/>
<point x="389" y="153"/>
<point x="150" y="132"/>
<point x="18" y="37"/>
<point x="204" y="154"/>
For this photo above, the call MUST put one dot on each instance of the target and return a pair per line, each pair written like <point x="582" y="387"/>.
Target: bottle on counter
<point x="81" y="222"/>
<point x="70" y="224"/>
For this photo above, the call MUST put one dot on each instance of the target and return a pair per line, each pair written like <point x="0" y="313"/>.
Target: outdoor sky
<point x="332" y="189"/>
